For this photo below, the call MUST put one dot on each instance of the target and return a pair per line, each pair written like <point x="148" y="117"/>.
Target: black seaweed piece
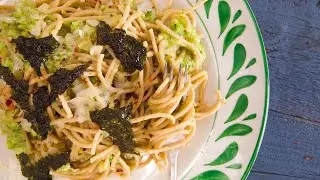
<point x="40" y="170"/>
<point x="59" y="81"/>
<point x="41" y="99"/>
<point x="19" y="87"/>
<point x="116" y="123"/>
<point x="40" y="122"/>
<point x="36" y="50"/>
<point x="26" y="166"/>
<point x="127" y="49"/>
<point x="62" y="79"/>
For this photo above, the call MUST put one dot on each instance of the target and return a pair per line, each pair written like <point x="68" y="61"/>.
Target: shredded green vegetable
<point x="189" y="33"/>
<point x="16" y="137"/>
<point x="26" y="20"/>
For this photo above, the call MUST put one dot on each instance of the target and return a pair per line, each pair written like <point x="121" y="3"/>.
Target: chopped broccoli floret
<point x="189" y="33"/>
<point x="82" y="35"/>
<point x="16" y="138"/>
<point x="58" y="58"/>
<point x="26" y="20"/>
<point x="150" y="16"/>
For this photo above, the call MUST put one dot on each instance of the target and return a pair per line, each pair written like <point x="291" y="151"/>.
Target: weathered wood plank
<point x="291" y="30"/>
<point x="290" y="147"/>
<point x="263" y="176"/>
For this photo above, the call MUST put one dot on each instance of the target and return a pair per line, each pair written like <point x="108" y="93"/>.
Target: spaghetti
<point x="167" y="95"/>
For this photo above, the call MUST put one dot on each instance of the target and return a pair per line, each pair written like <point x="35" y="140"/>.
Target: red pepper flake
<point x="10" y="104"/>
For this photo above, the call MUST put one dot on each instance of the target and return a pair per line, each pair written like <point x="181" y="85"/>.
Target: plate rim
<point x="267" y="93"/>
<point x="262" y="129"/>
<point x="258" y="143"/>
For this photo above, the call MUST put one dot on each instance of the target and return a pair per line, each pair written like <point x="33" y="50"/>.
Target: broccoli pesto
<point x="179" y="26"/>
<point x="26" y="20"/>
<point x="16" y="137"/>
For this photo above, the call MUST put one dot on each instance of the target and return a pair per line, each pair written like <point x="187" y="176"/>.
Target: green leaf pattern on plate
<point x="211" y="175"/>
<point x="250" y="117"/>
<point x="235" y="166"/>
<point x="224" y="15"/>
<point x="236" y="130"/>
<point x="232" y="35"/>
<point x="237" y="16"/>
<point x="228" y="154"/>
<point x="240" y="83"/>
<point x="239" y="109"/>
<point x="239" y="58"/>
<point x="207" y="7"/>
<point x="251" y="63"/>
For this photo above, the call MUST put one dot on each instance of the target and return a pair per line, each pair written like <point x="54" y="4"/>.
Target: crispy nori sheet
<point x="40" y="170"/>
<point x="36" y="115"/>
<point x="63" y="78"/>
<point x="116" y="123"/>
<point x="19" y="87"/>
<point x="59" y="81"/>
<point x="41" y="99"/>
<point x="40" y="122"/>
<point x="36" y="50"/>
<point x="127" y="49"/>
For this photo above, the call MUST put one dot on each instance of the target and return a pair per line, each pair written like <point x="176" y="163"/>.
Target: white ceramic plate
<point x="225" y="145"/>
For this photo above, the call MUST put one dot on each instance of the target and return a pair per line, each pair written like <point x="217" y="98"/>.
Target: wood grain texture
<point x="291" y="146"/>
<point x="264" y="176"/>
<point x="291" y="31"/>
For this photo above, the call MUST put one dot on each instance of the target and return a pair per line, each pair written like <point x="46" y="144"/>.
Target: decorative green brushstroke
<point x="207" y="7"/>
<point x="224" y="15"/>
<point x="228" y="154"/>
<point x="236" y="130"/>
<point x="250" y="117"/>
<point x="234" y="166"/>
<point x="239" y="109"/>
<point x="240" y="83"/>
<point x="236" y="16"/>
<point x="211" y="175"/>
<point x="232" y="35"/>
<point x="239" y="58"/>
<point x="252" y="62"/>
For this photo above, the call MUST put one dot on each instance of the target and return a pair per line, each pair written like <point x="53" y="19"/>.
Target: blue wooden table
<point x="291" y="146"/>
